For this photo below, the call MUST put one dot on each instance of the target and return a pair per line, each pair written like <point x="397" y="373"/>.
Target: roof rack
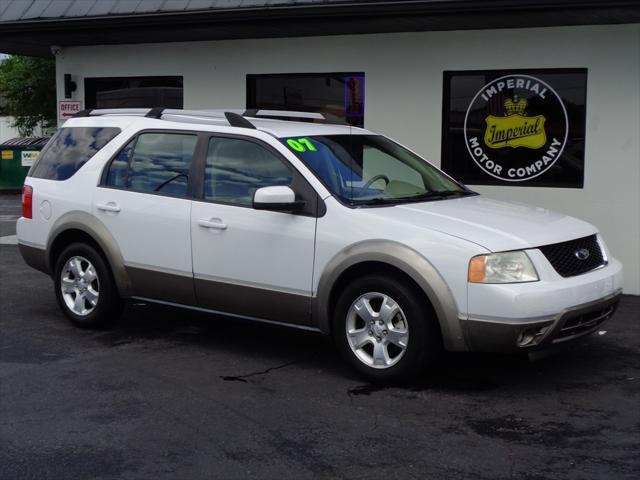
<point x="232" y="117"/>
<point x="288" y="115"/>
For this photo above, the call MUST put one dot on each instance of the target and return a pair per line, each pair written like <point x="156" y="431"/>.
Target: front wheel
<point x="85" y="288"/>
<point x="383" y="328"/>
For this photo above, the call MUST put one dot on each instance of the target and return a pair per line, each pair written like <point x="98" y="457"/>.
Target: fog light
<point x="532" y="336"/>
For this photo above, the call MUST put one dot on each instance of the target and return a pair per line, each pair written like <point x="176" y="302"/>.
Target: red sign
<point x="68" y="108"/>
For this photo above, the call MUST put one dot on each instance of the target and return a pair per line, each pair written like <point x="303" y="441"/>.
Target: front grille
<point x="565" y="256"/>
<point x="579" y="323"/>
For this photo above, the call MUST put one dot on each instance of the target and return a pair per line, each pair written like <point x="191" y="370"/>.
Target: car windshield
<point x="371" y="169"/>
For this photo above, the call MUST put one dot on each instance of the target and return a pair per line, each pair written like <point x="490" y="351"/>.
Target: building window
<point x="515" y="127"/>
<point x="133" y="92"/>
<point x="338" y="94"/>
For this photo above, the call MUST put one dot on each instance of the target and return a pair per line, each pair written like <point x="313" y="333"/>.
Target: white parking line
<point x="9" y="240"/>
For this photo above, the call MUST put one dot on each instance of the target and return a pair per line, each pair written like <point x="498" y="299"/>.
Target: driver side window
<point x="155" y="163"/>
<point x="236" y="168"/>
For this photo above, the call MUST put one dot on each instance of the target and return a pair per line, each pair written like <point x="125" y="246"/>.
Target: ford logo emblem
<point x="582" y="254"/>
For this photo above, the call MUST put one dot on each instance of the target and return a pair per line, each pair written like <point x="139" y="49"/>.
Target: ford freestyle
<point x="307" y="223"/>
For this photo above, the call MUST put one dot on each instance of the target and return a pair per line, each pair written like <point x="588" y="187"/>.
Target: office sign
<point x="68" y="108"/>
<point x="520" y="127"/>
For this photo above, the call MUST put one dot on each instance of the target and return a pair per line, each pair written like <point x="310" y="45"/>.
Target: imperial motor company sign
<point x="518" y="127"/>
<point x="514" y="128"/>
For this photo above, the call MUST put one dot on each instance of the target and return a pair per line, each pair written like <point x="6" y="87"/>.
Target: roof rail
<point x="232" y="117"/>
<point x="295" y="116"/>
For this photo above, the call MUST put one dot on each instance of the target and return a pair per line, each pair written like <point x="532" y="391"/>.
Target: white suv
<point x="319" y="226"/>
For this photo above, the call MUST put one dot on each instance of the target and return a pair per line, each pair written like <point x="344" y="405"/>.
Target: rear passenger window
<point x="154" y="163"/>
<point x="69" y="149"/>
<point x="235" y="168"/>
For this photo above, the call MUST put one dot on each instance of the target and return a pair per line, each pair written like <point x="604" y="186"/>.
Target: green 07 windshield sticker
<point x="301" y="145"/>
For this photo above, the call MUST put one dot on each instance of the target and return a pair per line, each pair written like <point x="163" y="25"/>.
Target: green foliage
<point x="28" y="88"/>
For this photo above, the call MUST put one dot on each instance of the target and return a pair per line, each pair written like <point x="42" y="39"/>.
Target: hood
<point x="493" y="224"/>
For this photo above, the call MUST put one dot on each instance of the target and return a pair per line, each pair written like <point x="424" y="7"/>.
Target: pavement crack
<point x="366" y="389"/>
<point x="243" y="378"/>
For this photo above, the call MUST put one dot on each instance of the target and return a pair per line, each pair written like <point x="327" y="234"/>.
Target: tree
<point x="28" y="86"/>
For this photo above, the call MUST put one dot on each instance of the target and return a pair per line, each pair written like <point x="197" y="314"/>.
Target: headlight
<point x="505" y="267"/>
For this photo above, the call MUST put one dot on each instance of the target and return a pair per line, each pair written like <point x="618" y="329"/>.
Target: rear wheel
<point x="84" y="287"/>
<point x="383" y="328"/>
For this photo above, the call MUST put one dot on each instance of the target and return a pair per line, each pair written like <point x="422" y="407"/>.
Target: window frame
<point x="192" y="168"/>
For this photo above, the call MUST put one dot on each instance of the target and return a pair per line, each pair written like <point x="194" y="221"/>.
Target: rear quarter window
<point x="69" y="149"/>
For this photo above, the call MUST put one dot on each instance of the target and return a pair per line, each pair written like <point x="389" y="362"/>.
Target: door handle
<point x="214" y="223"/>
<point x="108" y="207"/>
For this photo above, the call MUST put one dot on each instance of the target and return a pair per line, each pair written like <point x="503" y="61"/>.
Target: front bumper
<point x="528" y="316"/>
<point x="570" y="324"/>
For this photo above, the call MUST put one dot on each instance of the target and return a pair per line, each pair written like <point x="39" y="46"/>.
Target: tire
<point x="85" y="274"/>
<point x="412" y="323"/>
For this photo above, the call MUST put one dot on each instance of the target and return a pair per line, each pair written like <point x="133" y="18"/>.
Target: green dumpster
<point x="16" y="156"/>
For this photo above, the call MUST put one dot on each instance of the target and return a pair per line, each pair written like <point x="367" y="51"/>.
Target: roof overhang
<point x="35" y="37"/>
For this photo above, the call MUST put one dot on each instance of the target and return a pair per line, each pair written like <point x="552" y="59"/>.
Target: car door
<point x="144" y="201"/>
<point x="254" y="263"/>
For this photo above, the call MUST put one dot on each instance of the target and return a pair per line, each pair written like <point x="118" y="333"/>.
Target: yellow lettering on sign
<point x="7" y="154"/>
<point x="515" y="129"/>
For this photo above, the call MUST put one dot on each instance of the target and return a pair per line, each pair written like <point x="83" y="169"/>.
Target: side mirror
<point x="277" y="198"/>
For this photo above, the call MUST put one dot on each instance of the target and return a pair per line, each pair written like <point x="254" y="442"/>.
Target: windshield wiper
<point x="437" y="194"/>
<point x="432" y="195"/>
<point x="376" y="201"/>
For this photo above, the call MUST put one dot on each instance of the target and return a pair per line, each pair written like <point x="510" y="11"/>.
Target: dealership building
<point x="528" y="101"/>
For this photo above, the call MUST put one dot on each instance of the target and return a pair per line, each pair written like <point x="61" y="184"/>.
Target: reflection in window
<point x="236" y="168"/>
<point x="70" y="149"/>
<point x="161" y="163"/>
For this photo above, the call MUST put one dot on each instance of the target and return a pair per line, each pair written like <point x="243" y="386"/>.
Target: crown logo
<point x="516" y="106"/>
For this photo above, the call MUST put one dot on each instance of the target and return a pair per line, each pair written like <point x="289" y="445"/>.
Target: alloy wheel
<point x="80" y="285"/>
<point x="377" y="330"/>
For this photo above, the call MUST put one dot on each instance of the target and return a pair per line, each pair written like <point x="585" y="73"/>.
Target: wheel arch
<point x="376" y="255"/>
<point x="83" y="227"/>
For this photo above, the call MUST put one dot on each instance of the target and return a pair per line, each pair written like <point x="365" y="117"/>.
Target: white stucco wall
<point x="404" y="97"/>
<point x="7" y="131"/>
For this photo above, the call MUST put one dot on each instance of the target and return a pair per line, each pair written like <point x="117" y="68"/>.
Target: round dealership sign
<point x="516" y="127"/>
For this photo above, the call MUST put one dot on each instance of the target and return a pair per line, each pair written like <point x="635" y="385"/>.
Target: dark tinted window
<point x="236" y="168"/>
<point x="69" y="149"/>
<point x="338" y="94"/>
<point x="159" y="162"/>
<point x="133" y="92"/>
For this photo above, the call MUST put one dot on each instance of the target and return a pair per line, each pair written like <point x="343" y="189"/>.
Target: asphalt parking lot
<point x="177" y="395"/>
